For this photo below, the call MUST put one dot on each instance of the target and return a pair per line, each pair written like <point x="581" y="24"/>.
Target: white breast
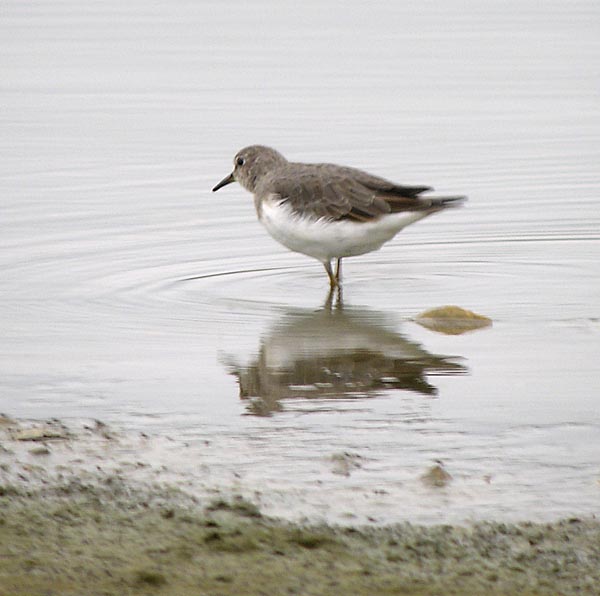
<point x="324" y="239"/>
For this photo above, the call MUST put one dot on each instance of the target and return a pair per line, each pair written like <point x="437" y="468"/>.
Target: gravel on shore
<point x="104" y="533"/>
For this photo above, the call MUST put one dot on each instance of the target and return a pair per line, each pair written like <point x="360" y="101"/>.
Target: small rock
<point x="452" y="320"/>
<point x="436" y="476"/>
<point x="38" y="433"/>
<point x="42" y="450"/>
<point x="345" y="463"/>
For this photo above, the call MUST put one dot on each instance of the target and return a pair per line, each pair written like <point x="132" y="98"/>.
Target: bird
<point x="326" y="211"/>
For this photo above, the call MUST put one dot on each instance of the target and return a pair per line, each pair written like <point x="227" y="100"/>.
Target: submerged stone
<point x="452" y="320"/>
<point x="436" y="476"/>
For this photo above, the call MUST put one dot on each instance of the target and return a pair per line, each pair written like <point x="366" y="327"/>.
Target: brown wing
<point x="335" y="192"/>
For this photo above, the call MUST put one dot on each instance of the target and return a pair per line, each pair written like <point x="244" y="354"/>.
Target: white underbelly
<point x="324" y="239"/>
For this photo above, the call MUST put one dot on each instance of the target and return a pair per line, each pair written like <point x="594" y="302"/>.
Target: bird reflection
<point x="336" y="352"/>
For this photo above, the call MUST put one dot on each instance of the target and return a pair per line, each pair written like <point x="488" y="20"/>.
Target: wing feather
<point x="336" y="192"/>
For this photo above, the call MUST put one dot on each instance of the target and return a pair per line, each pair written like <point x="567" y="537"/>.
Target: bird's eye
<point x="239" y="161"/>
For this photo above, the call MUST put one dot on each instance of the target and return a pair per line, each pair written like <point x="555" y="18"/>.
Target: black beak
<point x="227" y="180"/>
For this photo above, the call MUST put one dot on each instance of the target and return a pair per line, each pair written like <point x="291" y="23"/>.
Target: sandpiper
<point x="327" y="211"/>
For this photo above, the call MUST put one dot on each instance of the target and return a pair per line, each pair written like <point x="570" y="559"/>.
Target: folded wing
<point x="337" y="193"/>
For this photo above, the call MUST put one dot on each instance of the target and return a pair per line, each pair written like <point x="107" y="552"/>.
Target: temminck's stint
<point x="327" y="211"/>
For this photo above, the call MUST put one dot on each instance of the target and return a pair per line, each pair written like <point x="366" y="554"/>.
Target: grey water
<point x="132" y="294"/>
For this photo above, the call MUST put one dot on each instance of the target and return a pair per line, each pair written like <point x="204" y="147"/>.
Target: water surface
<point x="131" y="294"/>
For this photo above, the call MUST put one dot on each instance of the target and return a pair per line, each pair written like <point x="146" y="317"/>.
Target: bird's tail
<point x="444" y="202"/>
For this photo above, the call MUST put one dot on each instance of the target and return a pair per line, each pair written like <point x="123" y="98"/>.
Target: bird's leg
<point x="335" y="293"/>
<point x="338" y="272"/>
<point x="340" y="299"/>
<point x="332" y="278"/>
<point x="329" y="300"/>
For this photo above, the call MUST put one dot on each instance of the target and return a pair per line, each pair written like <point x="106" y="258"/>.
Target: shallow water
<point x="132" y="294"/>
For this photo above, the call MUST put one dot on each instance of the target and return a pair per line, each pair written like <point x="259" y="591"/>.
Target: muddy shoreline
<point x="115" y="539"/>
<point x="97" y="529"/>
